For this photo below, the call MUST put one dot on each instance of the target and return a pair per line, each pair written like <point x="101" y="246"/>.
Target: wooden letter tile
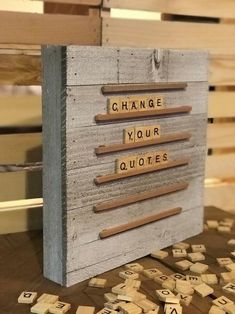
<point x="222" y="261"/>
<point x="169" y="284"/>
<point x="130" y="308"/>
<point x="129" y="135"/>
<point x="203" y="290"/>
<point x="212" y="224"/>
<point x="231" y="242"/>
<point x="198" y="248"/>
<point x="149" y="159"/>
<point x="134" y="105"/>
<point x="229" y="308"/>
<point x="222" y="301"/>
<point x="173" y="308"/>
<point x="224" y="229"/>
<point x="163" y="294"/>
<point x="85" y="310"/>
<point x="159" y="279"/>
<point x="184" y="298"/>
<point x="27" y="297"/>
<point x="40" y="308"/>
<point x="210" y="279"/>
<point x="60" y="308"/>
<point x="179" y="253"/>
<point x="184" y="287"/>
<point x="159" y="254"/>
<point x="196" y="257"/>
<point x="177" y="276"/>
<point x="216" y="310"/>
<point x="135" y="284"/>
<point x="194" y="280"/>
<point x="110" y="297"/>
<point x="151" y="273"/>
<point x="140" y="133"/>
<point x="230" y="267"/>
<point x="181" y="245"/>
<point x="141" y="162"/>
<point x="97" y="282"/>
<point x="107" y="311"/>
<point x="126" y="164"/>
<point x="199" y="268"/>
<point x="147" y="305"/>
<point x="128" y="274"/>
<point x="113" y="105"/>
<point x="230" y="288"/>
<point x="228" y="277"/>
<point x="135" y="267"/>
<point x="155" y="131"/>
<point x="124" y="105"/>
<point x="48" y="298"/>
<point x="184" y="264"/>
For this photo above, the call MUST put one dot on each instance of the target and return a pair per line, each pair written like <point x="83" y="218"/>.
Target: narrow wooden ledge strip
<point x="140" y="197"/>
<point x="120" y="88"/>
<point x="142" y="114"/>
<point x="137" y="223"/>
<point x="118" y="176"/>
<point x="163" y="139"/>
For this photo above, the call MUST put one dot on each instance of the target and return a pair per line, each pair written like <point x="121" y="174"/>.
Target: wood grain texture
<point x="169" y="34"/>
<point x="79" y="2"/>
<point x="138" y="223"/>
<point x="220" y="166"/>
<point x="48" y="29"/>
<point x="182" y="7"/>
<point x="221" y="135"/>
<point x="222" y="69"/>
<point x="221" y="104"/>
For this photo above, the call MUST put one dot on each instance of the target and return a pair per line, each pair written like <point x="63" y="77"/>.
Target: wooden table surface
<point x="21" y="269"/>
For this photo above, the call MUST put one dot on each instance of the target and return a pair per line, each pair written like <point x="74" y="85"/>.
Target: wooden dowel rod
<point x="140" y="222"/>
<point x="140" y="197"/>
<point x="118" y="176"/>
<point x="120" y="88"/>
<point x="163" y="139"/>
<point x="142" y="114"/>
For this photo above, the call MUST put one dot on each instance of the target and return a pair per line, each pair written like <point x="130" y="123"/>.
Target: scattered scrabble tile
<point x="147" y="305"/>
<point x="210" y="279"/>
<point x="198" y="248"/>
<point x="226" y="223"/>
<point x="97" y="282"/>
<point x="181" y="245"/>
<point x="154" y="311"/>
<point x="121" y="288"/>
<point x="203" y="290"/>
<point x="113" y="305"/>
<point x="230" y="288"/>
<point x="85" y="310"/>
<point x="230" y="267"/>
<point x="110" y="297"/>
<point x="163" y="294"/>
<point x="138" y="296"/>
<point x="229" y="308"/>
<point x="126" y="298"/>
<point x="216" y="310"/>
<point x="184" y="287"/>
<point x="129" y="308"/>
<point x="199" y="268"/>
<point x="59" y="308"/>
<point x="177" y="276"/>
<point x="179" y="253"/>
<point x="196" y="257"/>
<point x="151" y="273"/>
<point x="222" y="261"/>
<point x="159" y="254"/>
<point x="233" y="254"/>
<point x="173" y="308"/>
<point x="194" y="280"/>
<point x="184" y="298"/>
<point x="135" y="267"/>
<point x="184" y="264"/>
<point x="48" y="298"/>
<point x="128" y="274"/>
<point x="212" y="224"/>
<point x="107" y="311"/>
<point x="27" y="297"/>
<point x="222" y="301"/>
<point x="135" y="284"/>
<point x="224" y="229"/>
<point x="169" y="284"/>
<point x="172" y="300"/>
<point x="40" y="308"/>
<point x="159" y="279"/>
<point x="231" y="242"/>
<point x="228" y="277"/>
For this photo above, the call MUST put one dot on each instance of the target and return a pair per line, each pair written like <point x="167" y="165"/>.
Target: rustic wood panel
<point x="169" y="34"/>
<point x="48" y="29"/>
<point x="221" y="104"/>
<point x="22" y="6"/>
<point x="221" y="195"/>
<point x="220" y="166"/>
<point x="221" y="135"/>
<point x="219" y="9"/>
<point x="222" y="69"/>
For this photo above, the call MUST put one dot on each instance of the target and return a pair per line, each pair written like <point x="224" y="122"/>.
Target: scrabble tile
<point x="179" y="253"/>
<point x="163" y="294"/>
<point x="135" y="267"/>
<point x="40" y="308"/>
<point x="194" y="280"/>
<point x="110" y="297"/>
<point x="196" y="257"/>
<point x="97" y="282"/>
<point x="184" y="287"/>
<point x="135" y="284"/>
<point x="230" y="288"/>
<point x="184" y="298"/>
<point x="27" y="297"/>
<point x="156" y="311"/>
<point x="129" y="135"/>
<point x="133" y="105"/>
<point x="151" y="273"/>
<point x="228" y="277"/>
<point x="124" y="105"/>
<point x="107" y="311"/>
<point x="128" y="274"/>
<point x="231" y="242"/>
<point x="212" y="224"/>
<point x="121" y="288"/>
<point x="181" y="245"/>
<point x="130" y="308"/>
<point x="216" y="310"/>
<point x="224" y="229"/>
<point x="159" y="279"/>
<point x="230" y="267"/>
<point x="113" y="105"/>
<point x="155" y="131"/>
<point x="125" y="164"/>
<point x="177" y="276"/>
<point x="210" y="279"/>
<point x="142" y="103"/>
<point x="226" y="223"/>
<point x="48" y="298"/>
<point x="85" y="310"/>
<point x="203" y="290"/>
<point x="222" y="301"/>
<point x="137" y="296"/>
<point x="158" y="102"/>
<point x="126" y="298"/>
<point x="229" y="308"/>
<point x="232" y="253"/>
<point x="169" y="284"/>
<point x="59" y="308"/>
<point x="172" y="300"/>
<point x="198" y="248"/>
<point x="222" y="261"/>
<point x="159" y="254"/>
<point x="114" y="305"/>
<point x="173" y="308"/>
<point x="149" y="159"/>
<point x="199" y="268"/>
<point x="184" y="264"/>
<point x="147" y="305"/>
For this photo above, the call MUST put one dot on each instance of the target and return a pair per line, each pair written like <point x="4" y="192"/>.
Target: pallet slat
<point x="221" y="105"/>
<point x="221" y="135"/>
<point x="221" y="196"/>
<point x="93" y="3"/>
<point x="221" y="9"/>
<point x="220" y="166"/>
<point x="222" y="70"/>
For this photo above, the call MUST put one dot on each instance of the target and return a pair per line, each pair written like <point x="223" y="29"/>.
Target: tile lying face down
<point x="124" y="156"/>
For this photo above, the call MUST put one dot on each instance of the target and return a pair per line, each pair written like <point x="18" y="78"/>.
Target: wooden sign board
<point x="124" y="153"/>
